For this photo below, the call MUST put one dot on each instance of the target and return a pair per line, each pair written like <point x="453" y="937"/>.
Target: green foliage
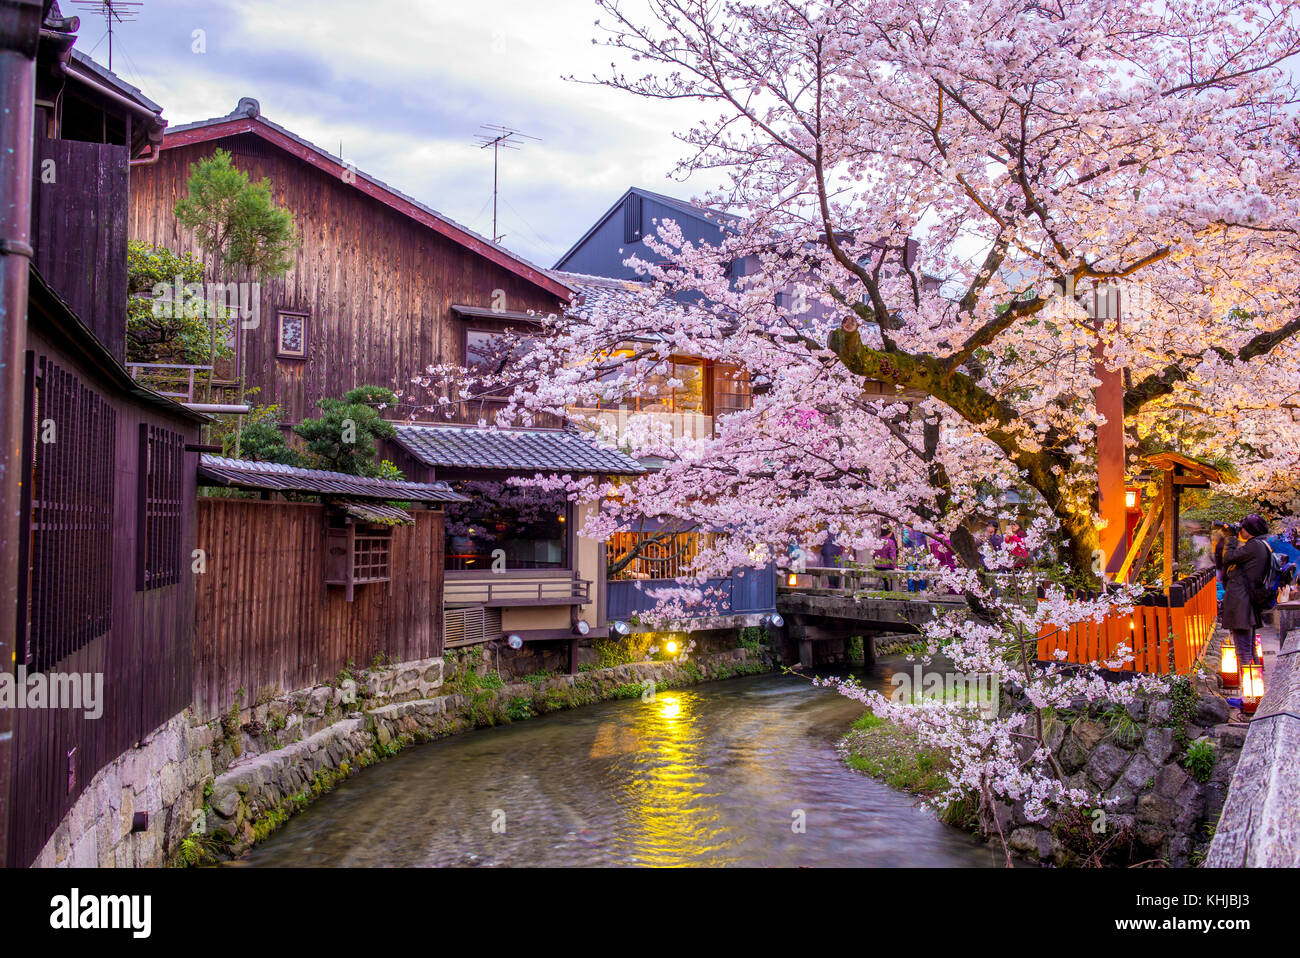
<point x="160" y="329"/>
<point x="261" y="437"/>
<point x="344" y="438"/>
<point x="235" y="219"/>
<point x="1199" y="760"/>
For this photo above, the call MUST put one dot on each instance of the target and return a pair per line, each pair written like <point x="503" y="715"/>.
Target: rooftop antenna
<point x="122" y="11"/>
<point x="499" y="138"/>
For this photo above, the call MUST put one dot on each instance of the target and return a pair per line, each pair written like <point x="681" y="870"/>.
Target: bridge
<point x="825" y="607"/>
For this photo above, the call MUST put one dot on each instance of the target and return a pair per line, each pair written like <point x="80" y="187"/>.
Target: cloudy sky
<point x="405" y="86"/>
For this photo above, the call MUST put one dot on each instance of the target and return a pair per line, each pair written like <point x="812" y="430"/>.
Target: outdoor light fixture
<point x="582" y="627"/>
<point x="793" y="579"/>
<point x="1229" y="673"/>
<point x="1252" y="686"/>
<point x="515" y="641"/>
<point x="771" y="620"/>
<point x="1259" y="649"/>
<point x="619" y="627"/>
<point x="1130" y="498"/>
<point x="670" y="647"/>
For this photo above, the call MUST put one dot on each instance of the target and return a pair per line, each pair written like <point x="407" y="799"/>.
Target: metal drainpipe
<point x="20" y="24"/>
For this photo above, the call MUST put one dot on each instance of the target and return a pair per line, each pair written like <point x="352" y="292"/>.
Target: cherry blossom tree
<point x="1086" y="180"/>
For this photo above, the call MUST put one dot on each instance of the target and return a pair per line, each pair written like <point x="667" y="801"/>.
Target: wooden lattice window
<point x="357" y="554"/>
<point x="70" y="544"/>
<point x="160" y="508"/>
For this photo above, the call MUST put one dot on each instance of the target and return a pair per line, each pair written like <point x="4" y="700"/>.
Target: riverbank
<point x="253" y="798"/>
<point x="1162" y="764"/>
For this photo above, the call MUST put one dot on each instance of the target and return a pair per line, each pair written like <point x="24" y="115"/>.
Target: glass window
<point x="503" y="526"/>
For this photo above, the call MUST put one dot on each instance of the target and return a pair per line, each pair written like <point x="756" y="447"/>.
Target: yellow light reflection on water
<point x="669" y="816"/>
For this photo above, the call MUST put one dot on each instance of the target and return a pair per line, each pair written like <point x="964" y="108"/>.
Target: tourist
<point x="1015" y="544"/>
<point x="1245" y="563"/>
<point x="886" y="557"/>
<point x="992" y="538"/>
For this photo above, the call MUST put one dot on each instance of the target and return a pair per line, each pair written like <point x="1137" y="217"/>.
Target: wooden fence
<point x="266" y="618"/>
<point x="1165" y="633"/>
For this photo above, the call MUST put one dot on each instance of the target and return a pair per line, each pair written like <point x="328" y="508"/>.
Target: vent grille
<point x="470" y="626"/>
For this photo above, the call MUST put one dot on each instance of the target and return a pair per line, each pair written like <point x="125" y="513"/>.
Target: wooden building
<point x="381" y="287"/>
<point x="105" y="587"/>
<point x="297" y="591"/>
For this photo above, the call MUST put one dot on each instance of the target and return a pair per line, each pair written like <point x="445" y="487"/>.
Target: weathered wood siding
<point x="79" y="220"/>
<point x="145" y="656"/>
<point x="378" y="287"/>
<point x="265" y="616"/>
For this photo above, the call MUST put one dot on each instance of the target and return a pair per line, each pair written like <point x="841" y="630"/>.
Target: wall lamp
<point x="771" y="620"/>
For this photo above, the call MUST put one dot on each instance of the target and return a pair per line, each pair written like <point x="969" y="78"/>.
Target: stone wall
<point x="213" y="786"/>
<point x="162" y="777"/>
<point x="257" y="794"/>
<point x="1164" y="766"/>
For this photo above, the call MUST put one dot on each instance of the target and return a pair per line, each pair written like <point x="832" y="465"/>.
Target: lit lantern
<point x="1252" y="686"/>
<point x="1259" y="650"/>
<point x="1130" y="498"/>
<point x="1228" y="671"/>
<point x="793" y="580"/>
<point x="670" y="647"/>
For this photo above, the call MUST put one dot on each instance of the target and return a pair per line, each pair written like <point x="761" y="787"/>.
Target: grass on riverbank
<point x="896" y="756"/>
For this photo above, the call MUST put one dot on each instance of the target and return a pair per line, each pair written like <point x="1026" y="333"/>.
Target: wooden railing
<point x="176" y="381"/>
<point x="1164" y="633"/>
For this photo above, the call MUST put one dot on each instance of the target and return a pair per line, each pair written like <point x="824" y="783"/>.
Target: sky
<point x="404" y="88"/>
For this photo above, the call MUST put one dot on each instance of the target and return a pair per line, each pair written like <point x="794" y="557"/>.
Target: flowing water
<point x="716" y="774"/>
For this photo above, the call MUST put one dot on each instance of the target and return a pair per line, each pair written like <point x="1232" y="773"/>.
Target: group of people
<point x="1013" y="542"/>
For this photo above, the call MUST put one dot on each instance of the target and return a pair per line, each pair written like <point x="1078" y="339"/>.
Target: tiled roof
<point x="377" y="512"/>
<point x="274" y="477"/>
<point x="514" y="450"/>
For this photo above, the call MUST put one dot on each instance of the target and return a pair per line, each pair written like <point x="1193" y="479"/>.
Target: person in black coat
<point x="1245" y="563"/>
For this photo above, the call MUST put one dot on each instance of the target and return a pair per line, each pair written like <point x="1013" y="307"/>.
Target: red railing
<point x="1165" y="633"/>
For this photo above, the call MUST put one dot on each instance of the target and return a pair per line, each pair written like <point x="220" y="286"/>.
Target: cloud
<point x="404" y="87"/>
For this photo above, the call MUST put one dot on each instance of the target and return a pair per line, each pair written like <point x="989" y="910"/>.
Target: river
<point x="718" y="774"/>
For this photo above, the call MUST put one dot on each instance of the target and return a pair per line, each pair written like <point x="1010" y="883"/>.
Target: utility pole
<point x="499" y="138"/>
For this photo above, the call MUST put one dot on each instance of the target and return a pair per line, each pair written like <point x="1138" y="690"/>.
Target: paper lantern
<point x="1228" y="670"/>
<point x="1252" y="686"/>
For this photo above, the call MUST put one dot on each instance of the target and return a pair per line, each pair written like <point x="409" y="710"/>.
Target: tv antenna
<point x="121" y="11"/>
<point x="499" y="138"/>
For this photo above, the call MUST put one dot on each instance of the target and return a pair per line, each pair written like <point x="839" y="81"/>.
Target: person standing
<point x="1015" y="543"/>
<point x="1245" y="563"/>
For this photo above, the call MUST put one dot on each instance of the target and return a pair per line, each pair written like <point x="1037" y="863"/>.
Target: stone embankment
<point x="257" y="793"/>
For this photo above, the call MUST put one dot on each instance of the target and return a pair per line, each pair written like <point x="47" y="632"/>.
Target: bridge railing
<point x="1164" y="633"/>
<point x="845" y="579"/>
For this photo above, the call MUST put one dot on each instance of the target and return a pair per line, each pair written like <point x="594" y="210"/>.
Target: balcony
<point x="516" y="588"/>
<point x="692" y="425"/>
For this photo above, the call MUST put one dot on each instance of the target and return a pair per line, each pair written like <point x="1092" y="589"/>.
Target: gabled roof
<point x="512" y="450"/>
<point x="702" y="213"/>
<point x="247" y="118"/>
<point x="275" y="477"/>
